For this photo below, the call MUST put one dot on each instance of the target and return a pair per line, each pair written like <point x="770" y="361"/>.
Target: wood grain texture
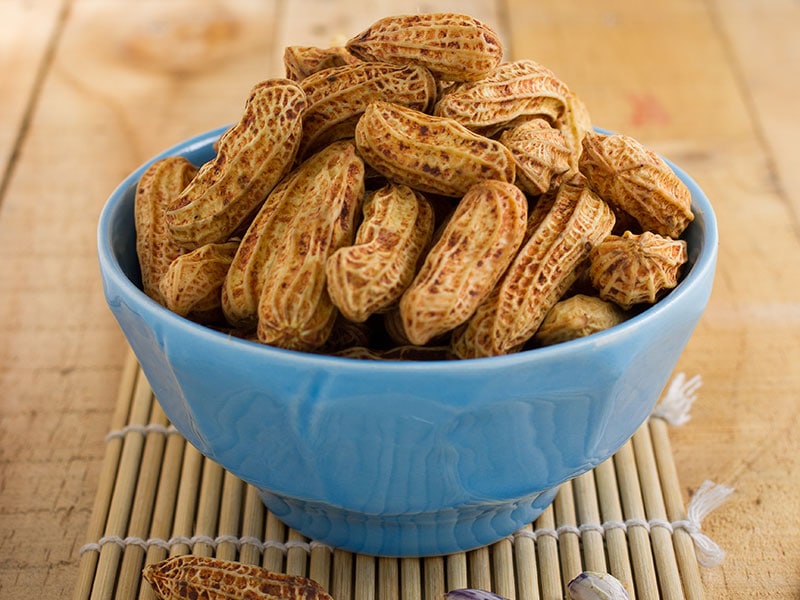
<point x="89" y="89"/>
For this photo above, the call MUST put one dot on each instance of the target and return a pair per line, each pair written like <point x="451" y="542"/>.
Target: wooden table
<point x="89" y="89"/>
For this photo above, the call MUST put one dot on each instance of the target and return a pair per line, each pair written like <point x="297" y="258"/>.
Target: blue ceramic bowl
<point x="402" y="458"/>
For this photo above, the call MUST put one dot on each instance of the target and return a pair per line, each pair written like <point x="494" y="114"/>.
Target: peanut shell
<point x="562" y="230"/>
<point x="192" y="285"/>
<point x="636" y="268"/>
<point x="427" y="153"/>
<point x="540" y="153"/>
<point x="188" y="576"/>
<point x="302" y="61"/>
<point x="576" y="317"/>
<point x="159" y="185"/>
<point x="337" y="97"/>
<point x="252" y="156"/>
<point x="372" y="274"/>
<point x="512" y="90"/>
<point x="295" y="310"/>
<point x="454" y="47"/>
<point x="635" y="180"/>
<point x="463" y="266"/>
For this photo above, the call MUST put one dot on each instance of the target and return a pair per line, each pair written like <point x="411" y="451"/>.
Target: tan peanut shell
<point x="563" y="229"/>
<point x="158" y="186"/>
<point x="294" y="309"/>
<point x="465" y="263"/>
<point x="636" y="268"/>
<point x="576" y="317"/>
<point x="241" y="291"/>
<point x="252" y="156"/>
<point x="454" y="47"/>
<point x="192" y="285"/>
<point x="337" y="97"/>
<point x="427" y="153"/>
<point x="302" y="61"/>
<point x="372" y="274"/>
<point x="540" y="153"/>
<point x="635" y="180"/>
<point x="512" y="90"/>
<point x="188" y="576"/>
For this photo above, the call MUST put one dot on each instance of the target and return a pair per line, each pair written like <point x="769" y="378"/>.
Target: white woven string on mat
<point x="708" y="497"/>
<point x="674" y="408"/>
<point x="677" y="401"/>
<point x="142" y="429"/>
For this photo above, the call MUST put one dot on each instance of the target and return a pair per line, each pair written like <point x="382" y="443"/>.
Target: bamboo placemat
<point x="159" y="497"/>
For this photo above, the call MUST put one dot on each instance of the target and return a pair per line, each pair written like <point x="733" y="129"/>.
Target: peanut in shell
<point x="428" y="153"/>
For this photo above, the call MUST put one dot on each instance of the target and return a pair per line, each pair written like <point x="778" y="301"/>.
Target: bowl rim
<point x="111" y="269"/>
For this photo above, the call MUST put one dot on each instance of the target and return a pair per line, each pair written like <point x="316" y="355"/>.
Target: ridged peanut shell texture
<point x="563" y="230"/>
<point x="372" y="274"/>
<point x="252" y="156"/>
<point x="192" y="285"/>
<point x="337" y="97"/>
<point x="635" y="180"/>
<point x="207" y="578"/>
<point x="522" y="88"/>
<point x="428" y="153"/>
<point x="465" y="263"/>
<point x="159" y="185"/>
<point x="636" y="268"/>
<point x="295" y="310"/>
<point x="540" y="153"/>
<point x="454" y="47"/>
<point x="576" y="317"/>
<point x="302" y="61"/>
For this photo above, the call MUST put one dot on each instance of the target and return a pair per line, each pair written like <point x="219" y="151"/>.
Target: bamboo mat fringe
<point x="159" y="497"/>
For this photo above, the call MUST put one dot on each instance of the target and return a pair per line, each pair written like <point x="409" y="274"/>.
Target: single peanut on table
<point x="183" y="577"/>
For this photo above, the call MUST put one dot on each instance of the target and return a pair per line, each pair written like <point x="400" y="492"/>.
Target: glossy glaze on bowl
<point x="397" y="458"/>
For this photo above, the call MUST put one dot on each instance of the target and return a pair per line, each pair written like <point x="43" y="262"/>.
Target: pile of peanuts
<point x="410" y="195"/>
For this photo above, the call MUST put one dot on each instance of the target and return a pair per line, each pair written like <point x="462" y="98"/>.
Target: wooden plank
<point x="762" y="39"/>
<point x="128" y="79"/>
<point x="28" y="34"/>
<point x="709" y="86"/>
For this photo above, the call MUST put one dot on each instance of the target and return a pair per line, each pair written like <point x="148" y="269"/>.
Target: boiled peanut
<point x="476" y="246"/>
<point x="337" y="97"/>
<point x="371" y="275"/>
<point x="563" y="229"/>
<point x="294" y="309"/>
<point x="192" y="285"/>
<point x="158" y="186"/>
<point x="428" y="153"/>
<point x="635" y="180"/>
<point x="252" y="156"/>
<point x="454" y="47"/>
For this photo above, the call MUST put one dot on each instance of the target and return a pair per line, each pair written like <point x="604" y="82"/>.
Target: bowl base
<point x="413" y="534"/>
